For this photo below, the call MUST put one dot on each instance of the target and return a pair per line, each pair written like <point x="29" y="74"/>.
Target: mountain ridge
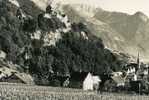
<point x="125" y="26"/>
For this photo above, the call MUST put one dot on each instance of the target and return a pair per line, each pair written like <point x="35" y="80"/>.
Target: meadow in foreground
<point x="24" y="92"/>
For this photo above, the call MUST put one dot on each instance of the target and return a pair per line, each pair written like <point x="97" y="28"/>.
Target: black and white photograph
<point x="74" y="49"/>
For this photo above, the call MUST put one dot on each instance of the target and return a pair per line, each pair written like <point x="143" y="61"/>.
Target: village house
<point x="91" y="82"/>
<point x="121" y="78"/>
<point x="84" y="80"/>
<point x="12" y="76"/>
<point x="131" y="70"/>
<point x="132" y="67"/>
<point x="118" y="79"/>
<point x="137" y="71"/>
<point x="137" y="76"/>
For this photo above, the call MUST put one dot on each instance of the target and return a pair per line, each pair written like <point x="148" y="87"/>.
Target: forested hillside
<point x="47" y="45"/>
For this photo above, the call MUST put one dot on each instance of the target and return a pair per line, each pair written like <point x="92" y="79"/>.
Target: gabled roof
<point x="26" y="78"/>
<point x="89" y="77"/>
<point x="8" y="72"/>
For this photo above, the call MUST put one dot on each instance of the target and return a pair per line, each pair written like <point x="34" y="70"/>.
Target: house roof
<point x="8" y="72"/>
<point x="116" y="73"/>
<point x="118" y="79"/>
<point x="88" y="77"/>
<point x="26" y="78"/>
<point x="94" y="79"/>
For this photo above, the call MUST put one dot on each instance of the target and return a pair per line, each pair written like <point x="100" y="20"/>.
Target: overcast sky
<point x="127" y="6"/>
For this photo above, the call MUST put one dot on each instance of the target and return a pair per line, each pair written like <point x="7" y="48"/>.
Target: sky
<point x="126" y="6"/>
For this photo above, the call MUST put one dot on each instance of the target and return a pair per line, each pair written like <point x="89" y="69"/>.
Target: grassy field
<point x="24" y="92"/>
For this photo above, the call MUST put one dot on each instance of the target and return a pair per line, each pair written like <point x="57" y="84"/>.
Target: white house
<point x="91" y="82"/>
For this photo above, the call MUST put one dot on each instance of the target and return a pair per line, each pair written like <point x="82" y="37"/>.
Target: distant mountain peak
<point x="141" y="15"/>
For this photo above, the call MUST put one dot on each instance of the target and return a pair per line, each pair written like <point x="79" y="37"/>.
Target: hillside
<point x="129" y="32"/>
<point x="50" y="47"/>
